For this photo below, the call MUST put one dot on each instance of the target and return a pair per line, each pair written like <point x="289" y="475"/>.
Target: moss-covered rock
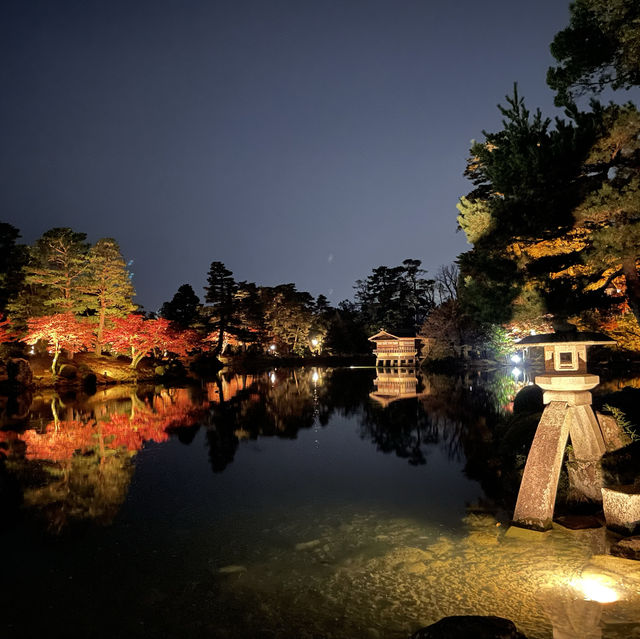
<point x="68" y="372"/>
<point x="622" y="466"/>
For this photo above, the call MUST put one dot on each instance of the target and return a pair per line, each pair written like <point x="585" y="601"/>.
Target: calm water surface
<point x="295" y="503"/>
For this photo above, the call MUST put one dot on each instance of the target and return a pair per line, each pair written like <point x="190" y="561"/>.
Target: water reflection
<point x="393" y="384"/>
<point x="73" y="454"/>
<point x="256" y="547"/>
<point x="71" y="457"/>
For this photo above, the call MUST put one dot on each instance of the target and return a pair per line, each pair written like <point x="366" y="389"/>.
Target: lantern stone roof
<point x="567" y="337"/>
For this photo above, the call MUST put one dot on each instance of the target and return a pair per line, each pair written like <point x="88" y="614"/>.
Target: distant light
<point x="315" y="377"/>
<point x="314" y="342"/>
<point x="272" y="377"/>
<point x="516" y="372"/>
<point x="515" y="358"/>
<point x="596" y="588"/>
<point x="272" y="347"/>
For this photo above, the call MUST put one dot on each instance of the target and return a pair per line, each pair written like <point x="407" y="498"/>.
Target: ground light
<point x="598" y="588"/>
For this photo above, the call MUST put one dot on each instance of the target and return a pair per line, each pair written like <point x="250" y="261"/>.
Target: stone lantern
<point x="568" y="413"/>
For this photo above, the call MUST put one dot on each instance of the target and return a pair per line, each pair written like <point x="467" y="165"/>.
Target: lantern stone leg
<point x="537" y="496"/>
<point x="584" y="467"/>
<point x="568" y="413"/>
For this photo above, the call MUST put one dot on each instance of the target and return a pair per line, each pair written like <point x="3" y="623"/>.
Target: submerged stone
<point x="307" y="545"/>
<point x="467" y="626"/>
<point x="228" y="570"/>
<point x="621" y="507"/>
<point x="628" y="548"/>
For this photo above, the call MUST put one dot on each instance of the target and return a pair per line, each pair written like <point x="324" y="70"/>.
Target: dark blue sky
<point x="304" y="141"/>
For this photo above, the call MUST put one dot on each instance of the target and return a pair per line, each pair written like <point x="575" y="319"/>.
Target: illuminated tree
<point x="57" y="262"/>
<point x="59" y="331"/>
<point x="138" y="337"/>
<point x="528" y="181"/>
<point x="611" y="210"/>
<point x="5" y="335"/>
<point x="288" y="315"/>
<point x="107" y="285"/>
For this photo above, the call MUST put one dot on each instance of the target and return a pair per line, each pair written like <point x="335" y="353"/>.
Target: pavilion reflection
<point x="67" y="445"/>
<point x="393" y="384"/>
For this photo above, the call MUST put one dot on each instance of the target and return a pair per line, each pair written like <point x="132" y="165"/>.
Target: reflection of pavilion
<point x="393" y="384"/>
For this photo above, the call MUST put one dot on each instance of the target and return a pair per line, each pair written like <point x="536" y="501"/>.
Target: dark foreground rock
<point x="468" y="627"/>
<point x="578" y="522"/>
<point x="628" y="548"/>
<point x="19" y="372"/>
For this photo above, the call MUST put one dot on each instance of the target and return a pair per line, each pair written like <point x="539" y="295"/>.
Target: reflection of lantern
<point x="566" y="385"/>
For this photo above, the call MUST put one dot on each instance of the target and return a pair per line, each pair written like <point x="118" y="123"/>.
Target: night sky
<point x="295" y="141"/>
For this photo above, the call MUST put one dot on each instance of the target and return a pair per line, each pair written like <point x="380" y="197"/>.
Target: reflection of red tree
<point x="59" y="443"/>
<point x="131" y="432"/>
<point x="147" y="421"/>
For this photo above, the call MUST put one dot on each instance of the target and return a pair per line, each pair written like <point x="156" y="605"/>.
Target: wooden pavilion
<point x="396" y="350"/>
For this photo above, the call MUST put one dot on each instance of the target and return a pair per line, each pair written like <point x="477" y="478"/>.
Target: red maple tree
<point x="60" y="331"/>
<point x="5" y="336"/>
<point x="137" y="337"/>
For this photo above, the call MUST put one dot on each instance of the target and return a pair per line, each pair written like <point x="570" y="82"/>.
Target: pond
<point x="302" y="503"/>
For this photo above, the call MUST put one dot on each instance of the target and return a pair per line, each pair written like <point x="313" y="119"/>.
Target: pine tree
<point x="220" y="296"/>
<point x="184" y="309"/>
<point x="106" y="285"/>
<point x="57" y="262"/>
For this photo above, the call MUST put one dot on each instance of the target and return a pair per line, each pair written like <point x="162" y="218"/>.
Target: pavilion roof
<point x="397" y="334"/>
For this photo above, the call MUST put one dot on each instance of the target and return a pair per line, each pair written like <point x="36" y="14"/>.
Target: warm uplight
<point x="596" y="588"/>
<point x="314" y="342"/>
<point x="515" y="358"/>
<point x="315" y="377"/>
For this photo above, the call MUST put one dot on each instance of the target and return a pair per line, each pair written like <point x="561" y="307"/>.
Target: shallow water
<point x="289" y="504"/>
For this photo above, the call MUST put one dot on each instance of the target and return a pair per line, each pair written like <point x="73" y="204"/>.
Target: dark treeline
<point x="71" y="295"/>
